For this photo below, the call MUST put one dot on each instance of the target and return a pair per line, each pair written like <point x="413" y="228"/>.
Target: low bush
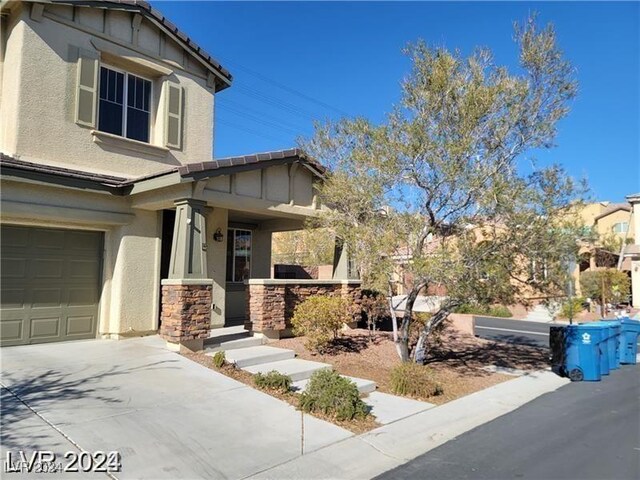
<point x="499" y="311"/>
<point x="494" y="311"/>
<point x="320" y="319"/>
<point x="414" y="380"/>
<point x="571" y="308"/>
<point x="333" y="395"/>
<point x="273" y="381"/>
<point x="219" y="359"/>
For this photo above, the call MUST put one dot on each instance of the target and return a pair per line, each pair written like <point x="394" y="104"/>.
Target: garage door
<point x="50" y="283"/>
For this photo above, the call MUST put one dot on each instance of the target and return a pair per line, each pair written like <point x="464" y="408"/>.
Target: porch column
<point x="186" y="294"/>
<point x="343" y="268"/>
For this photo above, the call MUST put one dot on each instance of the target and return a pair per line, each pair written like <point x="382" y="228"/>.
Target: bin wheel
<point x="576" y="375"/>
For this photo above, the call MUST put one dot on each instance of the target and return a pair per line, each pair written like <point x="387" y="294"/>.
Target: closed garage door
<point x="50" y="283"/>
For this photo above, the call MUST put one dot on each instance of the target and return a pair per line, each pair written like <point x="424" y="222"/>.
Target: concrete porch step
<point x="364" y="386"/>
<point x="296" y="368"/>
<point x="226" y="334"/>
<point x="249" y="356"/>
<point x="211" y="347"/>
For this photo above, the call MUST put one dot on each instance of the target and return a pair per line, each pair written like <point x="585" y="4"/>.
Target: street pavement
<point x="513" y="331"/>
<point x="522" y="332"/>
<point x="587" y="430"/>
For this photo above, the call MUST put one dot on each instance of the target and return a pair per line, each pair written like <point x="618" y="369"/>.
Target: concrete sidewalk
<point x="384" y="448"/>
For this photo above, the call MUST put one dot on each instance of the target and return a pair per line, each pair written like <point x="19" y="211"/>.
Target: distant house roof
<point x="145" y="9"/>
<point x="613" y="207"/>
<point x="634" y="197"/>
<point x="190" y="172"/>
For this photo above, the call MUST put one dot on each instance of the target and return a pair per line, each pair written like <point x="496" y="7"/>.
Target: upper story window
<point x="620" y="227"/>
<point x="238" y="255"/>
<point x="125" y="104"/>
<point x="119" y="103"/>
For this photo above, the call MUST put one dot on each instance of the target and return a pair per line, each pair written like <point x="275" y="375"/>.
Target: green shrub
<point x="219" y="359"/>
<point x="331" y="394"/>
<point x="495" y="311"/>
<point x="500" y="311"/>
<point x="273" y="381"/>
<point x="320" y="319"/>
<point x="414" y="380"/>
<point x="571" y="308"/>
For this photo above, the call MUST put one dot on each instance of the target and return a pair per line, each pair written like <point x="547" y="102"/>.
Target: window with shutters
<point x="124" y="106"/>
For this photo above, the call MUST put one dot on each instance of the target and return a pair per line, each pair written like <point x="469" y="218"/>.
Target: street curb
<point x="389" y="446"/>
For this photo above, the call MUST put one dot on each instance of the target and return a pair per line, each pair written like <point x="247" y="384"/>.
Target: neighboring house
<point x="116" y="220"/>
<point x="612" y="226"/>
<point x="632" y="251"/>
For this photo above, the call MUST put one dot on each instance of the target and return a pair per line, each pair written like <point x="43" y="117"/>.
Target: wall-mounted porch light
<point x="218" y="236"/>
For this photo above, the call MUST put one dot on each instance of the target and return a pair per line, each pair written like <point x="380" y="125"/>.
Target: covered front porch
<point x="218" y="220"/>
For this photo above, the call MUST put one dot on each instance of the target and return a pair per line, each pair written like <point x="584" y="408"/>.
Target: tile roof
<point x="145" y="8"/>
<point x="7" y="161"/>
<point x="201" y="170"/>
<point x="613" y="207"/>
<point x="256" y="158"/>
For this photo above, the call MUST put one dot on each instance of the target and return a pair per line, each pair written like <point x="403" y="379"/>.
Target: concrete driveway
<point x="167" y="416"/>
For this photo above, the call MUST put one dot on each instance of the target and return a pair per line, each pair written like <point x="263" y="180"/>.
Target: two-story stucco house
<point x="116" y="220"/>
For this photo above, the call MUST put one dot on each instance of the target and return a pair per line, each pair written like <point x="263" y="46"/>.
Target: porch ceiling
<point x="263" y="221"/>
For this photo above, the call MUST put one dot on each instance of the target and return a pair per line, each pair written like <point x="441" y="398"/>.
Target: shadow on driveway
<point x="22" y="396"/>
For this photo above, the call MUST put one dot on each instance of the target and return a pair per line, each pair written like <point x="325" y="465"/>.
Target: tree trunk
<point x="394" y="321"/>
<point x="420" y="353"/>
<point x="403" y="337"/>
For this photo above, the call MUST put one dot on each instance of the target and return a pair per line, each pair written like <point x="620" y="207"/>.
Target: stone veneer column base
<point x="186" y="313"/>
<point x="271" y="302"/>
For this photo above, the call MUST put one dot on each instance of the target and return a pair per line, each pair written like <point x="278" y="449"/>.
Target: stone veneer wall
<point x="270" y="306"/>
<point x="186" y="312"/>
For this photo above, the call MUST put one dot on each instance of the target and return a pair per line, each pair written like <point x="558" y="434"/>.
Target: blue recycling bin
<point x="610" y="359"/>
<point x="602" y="345"/>
<point x="613" y="343"/>
<point x="628" y="340"/>
<point x="583" y="359"/>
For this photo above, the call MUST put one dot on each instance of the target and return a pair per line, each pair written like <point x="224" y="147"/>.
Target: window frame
<point x="125" y="103"/>
<point x="233" y="254"/>
<point x="624" y="227"/>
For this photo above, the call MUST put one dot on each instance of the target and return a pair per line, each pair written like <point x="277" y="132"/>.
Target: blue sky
<point x="296" y="62"/>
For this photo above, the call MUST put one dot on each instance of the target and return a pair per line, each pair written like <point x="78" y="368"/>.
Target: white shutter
<point x="87" y="90"/>
<point x="173" y="115"/>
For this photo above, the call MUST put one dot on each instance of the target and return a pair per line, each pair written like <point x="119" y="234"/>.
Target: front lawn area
<point x="457" y="362"/>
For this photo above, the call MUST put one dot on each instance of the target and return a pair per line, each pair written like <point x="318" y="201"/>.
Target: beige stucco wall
<point x="217" y="218"/>
<point x="130" y="294"/>
<point x="49" y="205"/>
<point x="37" y="111"/>
<point x="590" y="211"/>
<point x="278" y="184"/>
<point x="604" y="225"/>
